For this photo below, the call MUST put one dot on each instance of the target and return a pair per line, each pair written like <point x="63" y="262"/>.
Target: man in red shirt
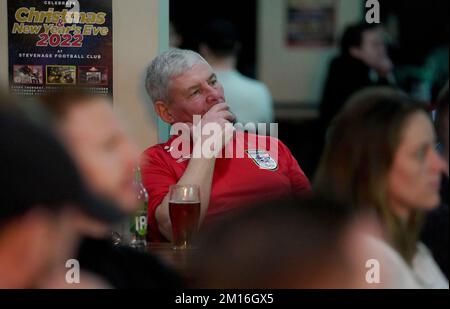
<point x="239" y="169"/>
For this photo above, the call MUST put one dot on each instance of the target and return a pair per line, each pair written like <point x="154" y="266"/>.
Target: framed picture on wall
<point x="310" y="23"/>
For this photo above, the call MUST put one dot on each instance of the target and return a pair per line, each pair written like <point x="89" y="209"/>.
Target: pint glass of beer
<point x="184" y="210"/>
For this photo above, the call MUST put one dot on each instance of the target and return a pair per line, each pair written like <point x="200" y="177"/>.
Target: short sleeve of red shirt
<point x="299" y="182"/>
<point x="157" y="177"/>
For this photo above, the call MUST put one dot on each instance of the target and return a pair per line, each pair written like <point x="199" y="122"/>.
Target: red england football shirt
<point x="264" y="173"/>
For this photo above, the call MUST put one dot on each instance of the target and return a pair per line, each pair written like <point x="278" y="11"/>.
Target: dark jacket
<point x="346" y="76"/>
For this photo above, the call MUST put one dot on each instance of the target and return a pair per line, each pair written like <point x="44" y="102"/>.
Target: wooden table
<point x="177" y="259"/>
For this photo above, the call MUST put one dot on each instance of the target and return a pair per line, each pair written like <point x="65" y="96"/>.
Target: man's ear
<point x="162" y="110"/>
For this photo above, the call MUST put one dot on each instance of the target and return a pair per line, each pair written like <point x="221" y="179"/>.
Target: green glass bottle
<point x="138" y="224"/>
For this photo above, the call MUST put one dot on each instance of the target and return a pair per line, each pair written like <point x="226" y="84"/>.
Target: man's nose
<point x="439" y="165"/>
<point x="213" y="96"/>
<point x="212" y="100"/>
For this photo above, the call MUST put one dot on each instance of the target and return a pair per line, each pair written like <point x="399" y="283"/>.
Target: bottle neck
<point x="137" y="175"/>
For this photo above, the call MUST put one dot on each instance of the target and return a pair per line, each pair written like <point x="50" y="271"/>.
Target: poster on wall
<point x="311" y="23"/>
<point x="59" y="44"/>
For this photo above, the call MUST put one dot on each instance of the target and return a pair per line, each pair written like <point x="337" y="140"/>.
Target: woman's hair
<point x="359" y="153"/>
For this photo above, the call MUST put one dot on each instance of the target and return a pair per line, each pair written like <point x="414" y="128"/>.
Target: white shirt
<point x="249" y="100"/>
<point x="397" y="274"/>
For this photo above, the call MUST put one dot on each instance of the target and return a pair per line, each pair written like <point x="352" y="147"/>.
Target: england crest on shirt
<point x="263" y="159"/>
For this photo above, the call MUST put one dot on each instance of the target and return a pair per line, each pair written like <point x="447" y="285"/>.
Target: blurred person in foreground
<point x="287" y="244"/>
<point x="250" y="100"/>
<point x="380" y="157"/>
<point x="107" y="158"/>
<point x="41" y="193"/>
<point x="436" y="230"/>
<point x="232" y="168"/>
<point x="363" y="62"/>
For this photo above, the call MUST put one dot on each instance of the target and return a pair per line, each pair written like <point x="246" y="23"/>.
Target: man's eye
<point x="195" y="92"/>
<point x="213" y="82"/>
<point x="421" y="154"/>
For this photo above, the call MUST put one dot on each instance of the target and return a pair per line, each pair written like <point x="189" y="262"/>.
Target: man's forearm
<point x="198" y="172"/>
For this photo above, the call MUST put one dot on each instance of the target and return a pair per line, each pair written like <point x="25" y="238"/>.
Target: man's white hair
<point x="166" y="66"/>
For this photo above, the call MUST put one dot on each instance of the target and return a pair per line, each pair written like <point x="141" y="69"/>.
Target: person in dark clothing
<point x="363" y="62"/>
<point x="436" y="230"/>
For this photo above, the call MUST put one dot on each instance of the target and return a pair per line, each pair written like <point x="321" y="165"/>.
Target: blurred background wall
<point x="295" y="75"/>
